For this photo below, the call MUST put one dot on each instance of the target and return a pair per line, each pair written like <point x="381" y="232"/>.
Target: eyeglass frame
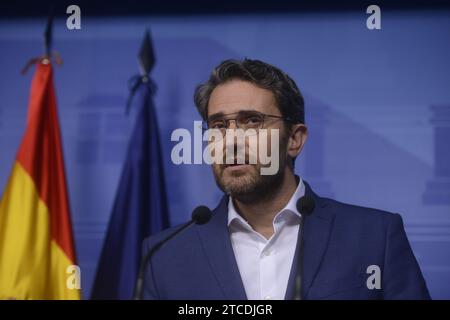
<point x="205" y="123"/>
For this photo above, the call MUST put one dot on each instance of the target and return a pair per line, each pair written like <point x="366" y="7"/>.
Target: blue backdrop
<point x="377" y="105"/>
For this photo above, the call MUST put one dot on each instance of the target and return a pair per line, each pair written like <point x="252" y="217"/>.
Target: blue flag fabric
<point x="140" y="207"/>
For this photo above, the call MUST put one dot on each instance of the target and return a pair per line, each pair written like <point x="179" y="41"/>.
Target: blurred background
<point x="377" y="103"/>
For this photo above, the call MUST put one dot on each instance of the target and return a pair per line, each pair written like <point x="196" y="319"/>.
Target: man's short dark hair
<point x="287" y="95"/>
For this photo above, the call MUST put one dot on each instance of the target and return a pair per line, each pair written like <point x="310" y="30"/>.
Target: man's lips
<point x="236" y="166"/>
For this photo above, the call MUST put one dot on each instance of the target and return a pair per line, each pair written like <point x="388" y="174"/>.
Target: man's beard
<point x="250" y="186"/>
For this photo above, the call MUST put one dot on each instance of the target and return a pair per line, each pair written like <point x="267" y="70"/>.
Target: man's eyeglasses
<point x="244" y="120"/>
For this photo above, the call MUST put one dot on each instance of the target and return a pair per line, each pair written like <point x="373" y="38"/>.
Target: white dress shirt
<point x="265" y="265"/>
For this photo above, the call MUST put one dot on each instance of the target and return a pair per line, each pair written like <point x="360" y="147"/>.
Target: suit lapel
<point x="317" y="232"/>
<point x="216" y="243"/>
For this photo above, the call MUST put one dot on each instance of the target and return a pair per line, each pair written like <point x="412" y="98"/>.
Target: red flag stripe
<point x="40" y="154"/>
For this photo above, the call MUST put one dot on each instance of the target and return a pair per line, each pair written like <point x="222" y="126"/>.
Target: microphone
<point x="305" y="205"/>
<point x="200" y="215"/>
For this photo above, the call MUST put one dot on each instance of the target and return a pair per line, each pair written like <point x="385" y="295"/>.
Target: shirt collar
<point x="291" y="206"/>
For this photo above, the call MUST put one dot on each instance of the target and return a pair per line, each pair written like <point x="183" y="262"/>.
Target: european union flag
<point x="140" y="207"/>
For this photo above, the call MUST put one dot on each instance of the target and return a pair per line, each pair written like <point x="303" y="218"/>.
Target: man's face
<point x="245" y="180"/>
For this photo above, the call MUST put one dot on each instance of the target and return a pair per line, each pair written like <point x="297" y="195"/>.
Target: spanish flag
<point x="37" y="257"/>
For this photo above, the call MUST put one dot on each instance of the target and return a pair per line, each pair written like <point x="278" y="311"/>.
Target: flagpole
<point x="49" y="54"/>
<point x="146" y="62"/>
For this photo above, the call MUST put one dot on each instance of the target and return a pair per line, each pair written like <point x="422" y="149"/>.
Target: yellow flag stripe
<point x="32" y="265"/>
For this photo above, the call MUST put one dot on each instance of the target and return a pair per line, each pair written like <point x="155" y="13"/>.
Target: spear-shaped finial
<point x="146" y="55"/>
<point x="146" y="62"/>
<point x="48" y="41"/>
<point x="48" y="35"/>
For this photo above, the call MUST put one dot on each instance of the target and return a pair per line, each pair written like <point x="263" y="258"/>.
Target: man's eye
<point x="217" y="125"/>
<point x="252" y="120"/>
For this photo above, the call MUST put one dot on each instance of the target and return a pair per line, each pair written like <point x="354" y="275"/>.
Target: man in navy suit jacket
<point x="250" y="249"/>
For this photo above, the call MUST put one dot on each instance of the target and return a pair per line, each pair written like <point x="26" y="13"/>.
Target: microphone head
<point x="201" y="215"/>
<point x="306" y="205"/>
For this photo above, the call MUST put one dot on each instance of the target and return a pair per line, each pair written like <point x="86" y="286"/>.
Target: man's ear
<point x="297" y="139"/>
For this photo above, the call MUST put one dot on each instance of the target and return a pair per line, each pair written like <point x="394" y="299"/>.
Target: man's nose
<point x="229" y="126"/>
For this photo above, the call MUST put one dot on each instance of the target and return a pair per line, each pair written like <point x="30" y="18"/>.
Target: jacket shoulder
<point x="356" y="213"/>
<point x="152" y="240"/>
